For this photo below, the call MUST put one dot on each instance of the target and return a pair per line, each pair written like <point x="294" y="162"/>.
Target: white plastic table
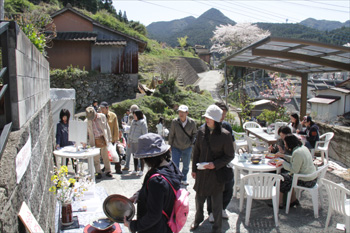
<point x="71" y="152"/>
<point x="260" y="133"/>
<point x="248" y="166"/>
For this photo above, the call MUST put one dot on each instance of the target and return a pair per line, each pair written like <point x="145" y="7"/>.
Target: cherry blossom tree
<point x="229" y="38"/>
<point x="282" y="90"/>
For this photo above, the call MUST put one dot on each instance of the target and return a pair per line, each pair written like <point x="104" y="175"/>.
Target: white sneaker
<point x="140" y="173"/>
<point x="211" y="218"/>
<point x="224" y="214"/>
<point x="184" y="183"/>
<point x="134" y="172"/>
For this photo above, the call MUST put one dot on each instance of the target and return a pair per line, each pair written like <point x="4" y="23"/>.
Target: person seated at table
<point x="156" y="194"/>
<point x="279" y="146"/>
<point x="295" y="123"/>
<point x="311" y="132"/>
<point x="62" y="133"/>
<point x="299" y="163"/>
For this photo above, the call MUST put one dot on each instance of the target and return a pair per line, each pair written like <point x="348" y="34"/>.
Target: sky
<point x="273" y="11"/>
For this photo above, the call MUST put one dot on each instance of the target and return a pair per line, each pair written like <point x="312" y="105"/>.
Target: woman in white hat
<point x="213" y="146"/>
<point x="156" y="194"/>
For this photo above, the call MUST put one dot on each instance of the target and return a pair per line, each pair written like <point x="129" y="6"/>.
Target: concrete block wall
<point x="32" y="118"/>
<point x="197" y="64"/>
<point x="29" y="78"/>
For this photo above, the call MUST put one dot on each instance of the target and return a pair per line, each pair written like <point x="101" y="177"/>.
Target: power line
<point x="325" y="3"/>
<point x="317" y="7"/>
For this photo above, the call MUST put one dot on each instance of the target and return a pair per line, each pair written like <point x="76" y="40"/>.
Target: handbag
<point x="224" y="174"/>
<point x="100" y="142"/>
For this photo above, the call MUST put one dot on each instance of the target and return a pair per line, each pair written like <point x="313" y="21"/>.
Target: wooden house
<point x="330" y="103"/>
<point x="203" y="53"/>
<point x="82" y="41"/>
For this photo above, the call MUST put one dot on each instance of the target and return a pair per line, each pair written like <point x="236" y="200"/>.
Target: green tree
<point x="182" y="41"/>
<point x="125" y="18"/>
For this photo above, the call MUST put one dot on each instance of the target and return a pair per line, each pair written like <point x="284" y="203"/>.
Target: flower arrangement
<point x="67" y="189"/>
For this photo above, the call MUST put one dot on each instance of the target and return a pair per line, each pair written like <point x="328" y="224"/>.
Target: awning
<point x="76" y="36"/>
<point x="260" y="102"/>
<point x="110" y="43"/>
<point x="324" y="99"/>
<point x="294" y="57"/>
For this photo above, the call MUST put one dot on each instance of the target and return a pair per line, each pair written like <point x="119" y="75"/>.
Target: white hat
<point x="183" y="108"/>
<point x="213" y="112"/>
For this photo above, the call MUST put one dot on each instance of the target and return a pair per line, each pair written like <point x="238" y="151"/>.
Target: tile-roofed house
<point x="203" y="53"/>
<point x="82" y="41"/>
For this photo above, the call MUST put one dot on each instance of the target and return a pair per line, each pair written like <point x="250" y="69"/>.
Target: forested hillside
<point x="199" y="30"/>
<point x="324" y="25"/>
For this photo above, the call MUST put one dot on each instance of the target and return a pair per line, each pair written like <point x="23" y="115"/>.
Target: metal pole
<point x="226" y="90"/>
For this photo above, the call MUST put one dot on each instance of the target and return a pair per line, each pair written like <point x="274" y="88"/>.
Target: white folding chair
<point x="260" y="186"/>
<point x="339" y="201"/>
<point x="322" y="145"/>
<point x="314" y="191"/>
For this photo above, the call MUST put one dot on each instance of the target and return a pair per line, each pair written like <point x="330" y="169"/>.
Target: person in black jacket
<point x="311" y="132"/>
<point x="155" y="194"/>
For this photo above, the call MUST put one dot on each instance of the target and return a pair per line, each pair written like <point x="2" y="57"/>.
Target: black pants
<point x="216" y="200"/>
<point x="226" y="196"/>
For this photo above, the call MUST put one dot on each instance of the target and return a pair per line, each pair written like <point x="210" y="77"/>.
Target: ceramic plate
<point x="117" y="206"/>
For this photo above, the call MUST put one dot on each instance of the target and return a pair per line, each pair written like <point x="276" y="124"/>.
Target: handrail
<point x="3" y="91"/>
<point x="4" y="137"/>
<point x="3" y="71"/>
<point x="3" y="27"/>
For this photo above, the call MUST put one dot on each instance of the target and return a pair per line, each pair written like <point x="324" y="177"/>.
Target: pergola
<point x="294" y="57"/>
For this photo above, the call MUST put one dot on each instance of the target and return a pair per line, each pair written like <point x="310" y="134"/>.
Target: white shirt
<point x="184" y="123"/>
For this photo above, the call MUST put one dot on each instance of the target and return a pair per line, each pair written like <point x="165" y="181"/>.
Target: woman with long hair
<point x="156" y="194"/>
<point x="299" y="163"/>
<point x="138" y="127"/>
<point x="295" y="122"/>
<point x="213" y="146"/>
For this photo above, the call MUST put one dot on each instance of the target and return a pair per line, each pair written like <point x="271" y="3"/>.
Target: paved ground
<point x="299" y="219"/>
<point x="210" y="81"/>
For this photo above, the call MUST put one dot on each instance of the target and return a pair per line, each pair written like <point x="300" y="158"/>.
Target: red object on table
<point x="115" y="229"/>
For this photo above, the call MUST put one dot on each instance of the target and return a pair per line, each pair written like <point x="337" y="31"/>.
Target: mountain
<point x="324" y="25"/>
<point x="199" y="30"/>
<point x="338" y="36"/>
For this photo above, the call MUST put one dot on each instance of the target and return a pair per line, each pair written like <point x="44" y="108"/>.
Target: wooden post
<point x="303" y="95"/>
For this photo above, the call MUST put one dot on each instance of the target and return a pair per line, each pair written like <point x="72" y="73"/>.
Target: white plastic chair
<point x="260" y="147"/>
<point x="322" y="145"/>
<point x="240" y="141"/>
<point x="314" y="191"/>
<point x="251" y="124"/>
<point x="260" y="186"/>
<point x="338" y="201"/>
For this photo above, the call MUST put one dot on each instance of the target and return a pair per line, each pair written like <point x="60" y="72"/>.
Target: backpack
<point x="181" y="207"/>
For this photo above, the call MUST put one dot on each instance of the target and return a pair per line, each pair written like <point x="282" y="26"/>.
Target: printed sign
<point x="77" y="131"/>
<point x="22" y="159"/>
<point x="29" y="220"/>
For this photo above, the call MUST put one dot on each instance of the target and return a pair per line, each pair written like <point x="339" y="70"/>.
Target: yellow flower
<point x="53" y="177"/>
<point x="52" y="189"/>
<point x="72" y="181"/>
<point x="59" y="184"/>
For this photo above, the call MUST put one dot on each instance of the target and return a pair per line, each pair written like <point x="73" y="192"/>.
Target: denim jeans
<point x="185" y="154"/>
<point x="128" y="157"/>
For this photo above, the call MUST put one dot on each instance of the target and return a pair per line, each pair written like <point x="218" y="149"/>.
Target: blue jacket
<point x="62" y="135"/>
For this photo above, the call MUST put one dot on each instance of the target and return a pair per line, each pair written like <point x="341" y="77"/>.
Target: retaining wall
<point x="339" y="147"/>
<point x="32" y="123"/>
<point x="103" y="87"/>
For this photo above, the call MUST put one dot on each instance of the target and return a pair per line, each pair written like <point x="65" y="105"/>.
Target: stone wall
<point x="103" y="87"/>
<point x="32" y="119"/>
<point x="340" y="144"/>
